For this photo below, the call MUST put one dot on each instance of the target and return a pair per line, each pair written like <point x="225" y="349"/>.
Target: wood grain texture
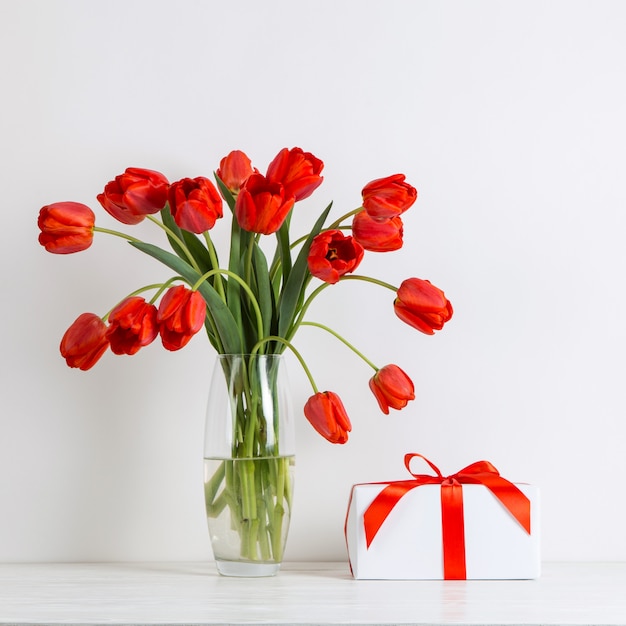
<point x="303" y="593"/>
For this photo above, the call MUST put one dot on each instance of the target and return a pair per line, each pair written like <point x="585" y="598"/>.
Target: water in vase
<point x="248" y="506"/>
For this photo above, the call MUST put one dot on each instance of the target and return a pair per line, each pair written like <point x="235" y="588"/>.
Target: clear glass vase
<point x="248" y="463"/>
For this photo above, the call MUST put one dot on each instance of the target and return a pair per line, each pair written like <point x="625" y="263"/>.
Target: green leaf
<point x="233" y="289"/>
<point x="263" y="289"/>
<point x="198" y="251"/>
<point x="223" y="320"/>
<point x="226" y="192"/>
<point x="195" y="247"/>
<point x="168" y="222"/>
<point x="293" y="291"/>
<point x="284" y="250"/>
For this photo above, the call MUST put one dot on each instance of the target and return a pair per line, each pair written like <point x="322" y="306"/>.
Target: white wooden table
<point x="302" y="593"/>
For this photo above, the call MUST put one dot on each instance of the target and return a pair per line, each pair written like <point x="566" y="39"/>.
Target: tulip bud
<point x="66" y="227"/>
<point x="422" y="305"/>
<point x="180" y="316"/>
<point x="132" y="325"/>
<point x="262" y="205"/>
<point x="327" y="415"/>
<point x="388" y="197"/>
<point x="392" y="388"/>
<point x="134" y="194"/>
<point x="195" y="204"/>
<point x="234" y="170"/>
<point x="297" y="171"/>
<point x="377" y="235"/>
<point x="84" y="342"/>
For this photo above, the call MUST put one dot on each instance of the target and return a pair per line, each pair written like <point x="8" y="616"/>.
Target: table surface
<point x="302" y="593"/>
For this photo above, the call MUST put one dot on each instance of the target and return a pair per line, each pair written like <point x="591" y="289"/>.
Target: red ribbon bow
<point x="479" y="473"/>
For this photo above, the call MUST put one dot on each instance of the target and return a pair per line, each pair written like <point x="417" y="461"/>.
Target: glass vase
<point x="248" y="463"/>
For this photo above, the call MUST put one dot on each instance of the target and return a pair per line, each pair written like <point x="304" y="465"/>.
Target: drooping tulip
<point x="234" y="170"/>
<point x="388" y="197"/>
<point x="132" y="325"/>
<point x="377" y="235"/>
<point x="326" y="413"/>
<point x="298" y="171"/>
<point x="85" y="341"/>
<point x="392" y="388"/>
<point x="66" y="227"/>
<point x="422" y="305"/>
<point x="134" y="194"/>
<point x="180" y="316"/>
<point x="333" y="254"/>
<point x="195" y="204"/>
<point x="262" y="205"/>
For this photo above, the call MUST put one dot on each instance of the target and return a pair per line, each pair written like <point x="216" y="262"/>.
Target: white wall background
<point x="509" y="117"/>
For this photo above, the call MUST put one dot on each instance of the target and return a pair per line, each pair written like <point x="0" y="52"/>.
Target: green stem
<point x="159" y="286"/>
<point x="344" y="341"/>
<point x="276" y="525"/>
<point x="163" y="287"/>
<point x="289" y="345"/>
<point x="249" y="437"/>
<point x="248" y="498"/>
<point x="178" y="240"/>
<point x="305" y="306"/>
<point x="246" y="288"/>
<point x="262" y="488"/>
<point x="212" y="486"/>
<point x="248" y="263"/>
<point x="297" y="242"/>
<point x="369" y="279"/>
<point x="333" y="226"/>
<point x="219" y="287"/>
<point x="116" y="233"/>
<point x="336" y="223"/>
<point x="218" y="505"/>
<point x="213" y="332"/>
<point x="298" y="322"/>
<point x="252" y="539"/>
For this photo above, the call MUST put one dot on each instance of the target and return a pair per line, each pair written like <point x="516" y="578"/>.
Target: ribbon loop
<point x="411" y="455"/>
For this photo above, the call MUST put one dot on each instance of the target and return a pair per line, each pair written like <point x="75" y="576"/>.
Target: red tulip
<point x="262" y="206"/>
<point x="180" y="316"/>
<point x="298" y="171"/>
<point x="234" y="170"/>
<point x="195" y="204"/>
<point x="84" y="342"/>
<point x="422" y="305"/>
<point x="392" y="388"/>
<point x="328" y="416"/>
<point x="333" y="254"/>
<point x="66" y="227"/>
<point x="377" y="235"/>
<point x="388" y="197"/>
<point x="132" y="325"/>
<point x="134" y="194"/>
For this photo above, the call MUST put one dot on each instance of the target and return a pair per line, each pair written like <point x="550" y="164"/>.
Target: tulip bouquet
<point x="255" y="303"/>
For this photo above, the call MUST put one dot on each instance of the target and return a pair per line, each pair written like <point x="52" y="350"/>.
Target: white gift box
<point x="409" y="543"/>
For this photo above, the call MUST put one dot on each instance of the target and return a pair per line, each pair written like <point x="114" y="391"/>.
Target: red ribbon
<point x="479" y="473"/>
